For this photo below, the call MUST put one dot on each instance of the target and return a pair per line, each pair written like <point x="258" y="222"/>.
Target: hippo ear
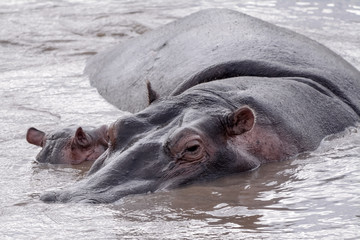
<point x="35" y="136"/>
<point x="81" y="138"/>
<point x="152" y="95"/>
<point x="240" y="121"/>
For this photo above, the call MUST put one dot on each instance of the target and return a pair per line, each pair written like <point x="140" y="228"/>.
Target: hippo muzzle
<point x="131" y="172"/>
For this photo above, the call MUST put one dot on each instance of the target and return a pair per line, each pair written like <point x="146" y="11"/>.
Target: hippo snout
<point x="64" y="197"/>
<point x="49" y="197"/>
<point x="98" y="194"/>
<point x="58" y="196"/>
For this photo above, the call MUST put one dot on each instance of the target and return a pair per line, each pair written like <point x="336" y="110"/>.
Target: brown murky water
<point x="43" y="49"/>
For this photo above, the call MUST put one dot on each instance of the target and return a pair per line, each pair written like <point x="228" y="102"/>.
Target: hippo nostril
<point x="49" y="197"/>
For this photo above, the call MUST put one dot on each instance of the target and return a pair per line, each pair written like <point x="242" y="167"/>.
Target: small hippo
<point x="72" y="145"/>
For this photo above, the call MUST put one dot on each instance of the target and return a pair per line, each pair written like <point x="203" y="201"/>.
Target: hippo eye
<point x="185" y="145"/>
<point x="194" y="150"/>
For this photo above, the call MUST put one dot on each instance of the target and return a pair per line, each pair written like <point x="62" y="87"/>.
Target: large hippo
<point x="231" y="92"/>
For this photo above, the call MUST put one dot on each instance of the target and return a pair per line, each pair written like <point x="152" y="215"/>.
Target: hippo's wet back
<point x="234" y="91"/>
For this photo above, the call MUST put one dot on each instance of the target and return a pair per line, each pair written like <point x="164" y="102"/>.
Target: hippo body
<point x="235" y="92"/>
<point x="211" y="45"/>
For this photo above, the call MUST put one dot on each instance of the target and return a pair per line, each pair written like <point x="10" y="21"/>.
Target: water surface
<point x="43" y="50"/>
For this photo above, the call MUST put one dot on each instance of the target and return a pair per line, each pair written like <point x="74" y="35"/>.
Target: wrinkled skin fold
<point x="227" y="118"/>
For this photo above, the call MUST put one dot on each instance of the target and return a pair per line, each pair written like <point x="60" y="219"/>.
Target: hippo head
<point x="72" y="145"/>
<point x="171" y="143"/>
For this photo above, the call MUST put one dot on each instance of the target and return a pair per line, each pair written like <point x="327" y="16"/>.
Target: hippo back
<point x="211" y="45"/>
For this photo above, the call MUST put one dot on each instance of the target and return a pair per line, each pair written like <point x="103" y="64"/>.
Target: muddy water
<point x="43" y="49"/>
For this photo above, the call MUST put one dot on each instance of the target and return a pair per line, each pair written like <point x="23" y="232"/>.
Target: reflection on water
<point x="44" y="46"/>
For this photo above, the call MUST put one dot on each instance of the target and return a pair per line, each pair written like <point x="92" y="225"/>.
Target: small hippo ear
<point x="152" y="95"/>
<point x="241" y="121"/>
<point x="81" y="138"/>
<point x="35" y="137"/>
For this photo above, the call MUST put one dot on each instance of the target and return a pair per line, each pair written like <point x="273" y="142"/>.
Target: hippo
<point x="71" y="145"/>
<point x="228" y="93"/>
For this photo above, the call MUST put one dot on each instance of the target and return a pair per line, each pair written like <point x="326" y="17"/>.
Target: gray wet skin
<point x="282" y="96"/>
<point x="72" y="145"/>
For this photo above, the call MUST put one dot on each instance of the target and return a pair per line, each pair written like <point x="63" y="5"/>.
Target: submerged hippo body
<point x="267" y="95"/>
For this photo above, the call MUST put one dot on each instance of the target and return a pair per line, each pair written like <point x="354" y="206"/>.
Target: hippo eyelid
<point x="179" y="141"/>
